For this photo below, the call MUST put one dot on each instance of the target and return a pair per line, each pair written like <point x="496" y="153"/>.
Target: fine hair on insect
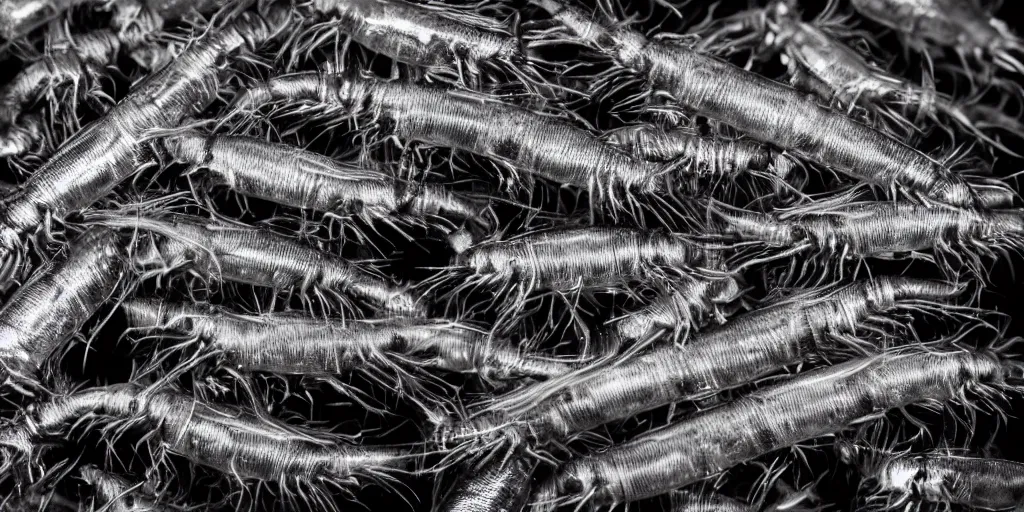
<point x="810" y="405"/>
<point x="395" y="353"/>
<point x="242" y="444"/>
<point x="442" y="41"/>
<point x="116" y="493"/>
<point x="965" y="27"/>
<point x="715" y="157"/>
<point x="490" y="484"/>
<point x="759" y="107"/>
<point x="96" y="159"/>
<point x="56" y="301"/>
<point x="839" y="228"/>
<point x="302" y="179"/>
<point x="78" y="60"/>
<point x="570" y="263"/>
<point x="810" y="325"/>
<point x="223" y="250"/>
<point x="820" y="62"/>
<point x="521" y="143"/>
<point x="510" y="255"/>
<point x="677" y="312"/>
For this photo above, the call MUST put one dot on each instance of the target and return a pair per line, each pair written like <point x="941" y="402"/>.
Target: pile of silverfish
<point x="510" y="254"/>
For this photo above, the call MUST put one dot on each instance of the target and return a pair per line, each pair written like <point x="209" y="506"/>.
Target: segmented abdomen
<point x="415" y="35"/>
<point x="257" y="257"/>
<point x="286" y="174"/>
<point x="736" y="352"/>
<point x="593" y="257"/>
<point x="707" y="501"/>
<point x="537" y="143"/>
<point x="777" y="114"/>
<point x="844" y="71"/>
<point x="59" y="298"/>
<point x="686" y="307"/>
<point x="990" y="484"/>
<point x="502" y="485"/>
<point x="228" y="439"/>
<point x="806" y="407"/>
<point x="705" y="155"/>
<point x="106" y="152"/>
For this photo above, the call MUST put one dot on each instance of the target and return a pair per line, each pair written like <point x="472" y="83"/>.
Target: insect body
<point x="881" y="228"/>
<point x="231" y="440"/>
<point x="963" y="26"/>
<point x="820" y="63"/>
<point x="54" y="303"/>
<point x="594" y="257"/>
<point x="808" y="406"/>
<point x="739" y="351"/>
<point x="93" y="161"/>
<point x="686" y="501"/>
<point x="295" y="177"/>
<point x="679" y="311"/>
<point x="649" y="142"/>
<point x="18" y="17"/>
<point x="116" y="494"/>
<point x="528" y="142"/>
<point x="580" y="260"/>
<point x="706" y="156"/>
<point x="980" y="483"/>
<point x="81" y="57"/>
<point x="502" y="485"/>
<point x="769" y="111"/>
<point x="61" y="67"/>
<point x="298" y="345"/>
<point x="904" y="479"/>
<point x="238" y="253"/>
<point x="430" y="36"/>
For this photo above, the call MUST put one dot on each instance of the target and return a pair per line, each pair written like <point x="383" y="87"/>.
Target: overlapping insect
<point x="320" y="254"/>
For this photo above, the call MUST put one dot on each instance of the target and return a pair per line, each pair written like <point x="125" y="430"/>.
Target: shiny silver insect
<point x="501" y="484"/>
<point x="766" y="110"/>
<point x="385" y="349"/>
<point x="964" y="27"/>
<point x="78" y="60"/>
<point x="93" y="161"/>
<point x="21" y="131"/>
<point x="18" y="17"/>
<point x="811" y="405"/>
<point x="650" y="142"/>
<point x="704" y="500"/>
<point x="903" y="479"/>
<point x="239" y="443"/>
<point x="570" y="262"/>
<point x="819" y="62"/>
<point x="56" y="301"/>
<point x="678" y="312"/>
<point x="115" y="493"/>
<point x="526" y="142"/>
<point x="230" y="251"/>
<point x="447" y="41"/>
<point x="299" y="178"/>
<point x="740" y="351"/>
<point x="955" y="236"/>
